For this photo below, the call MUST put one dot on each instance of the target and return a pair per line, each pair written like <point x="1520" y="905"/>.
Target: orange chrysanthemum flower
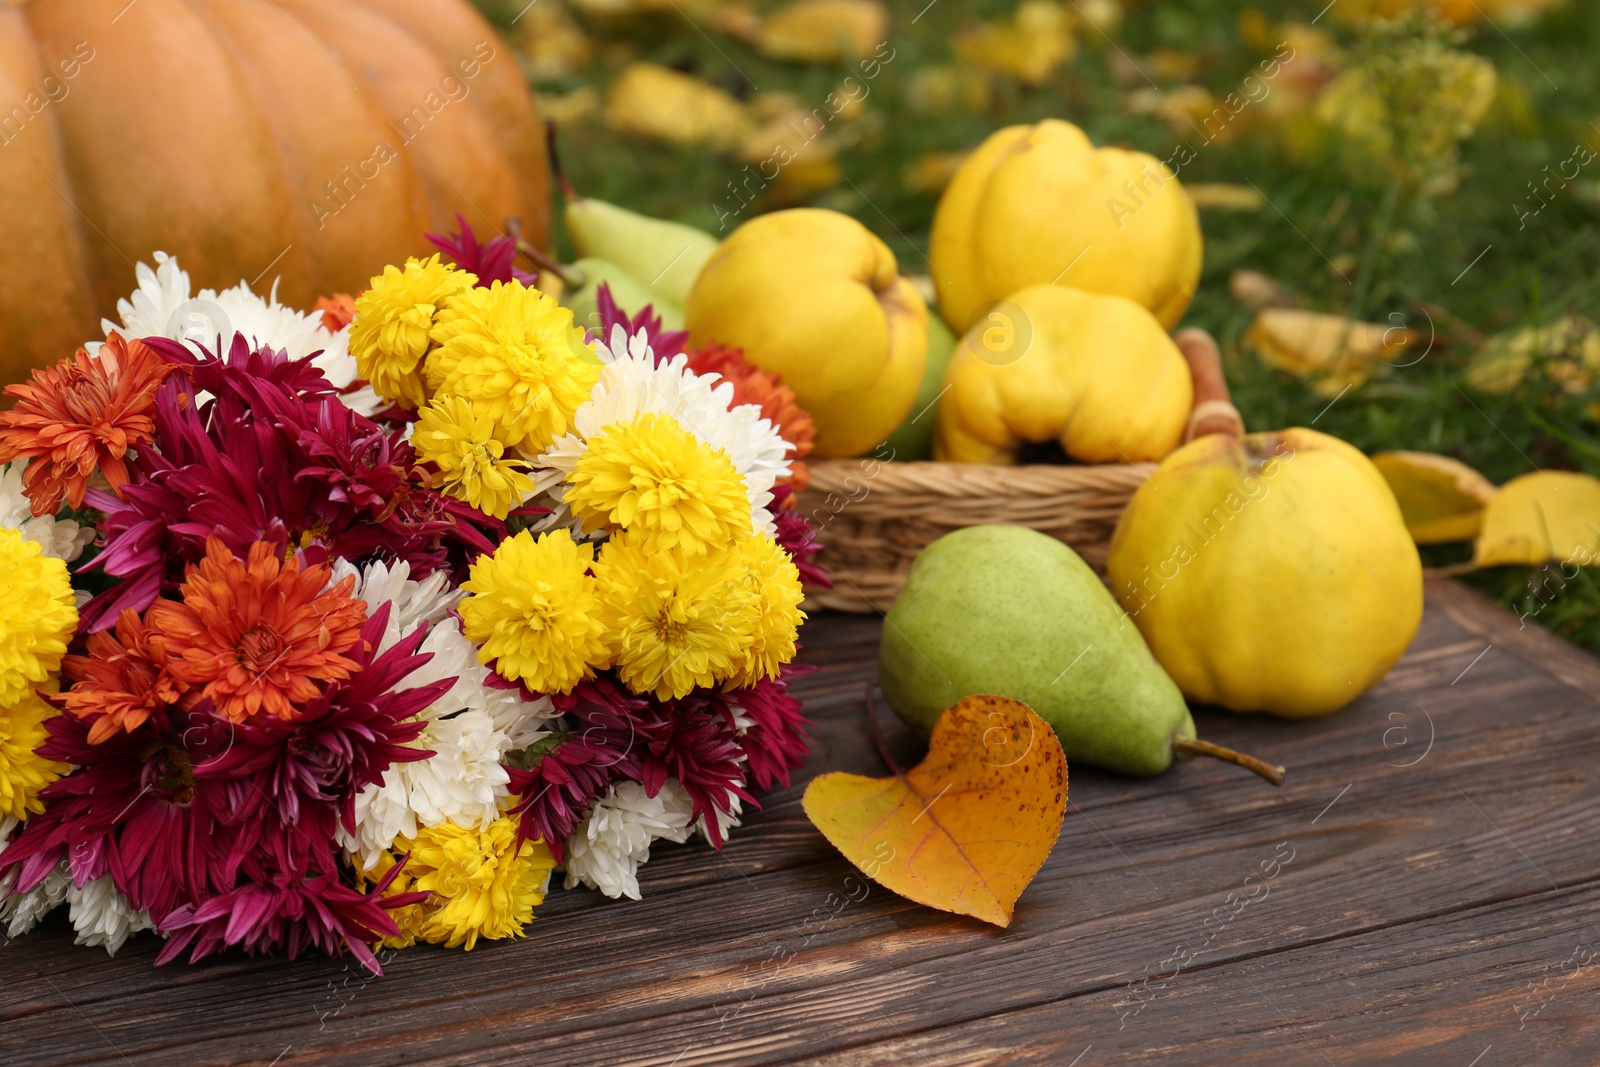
<point x="258" y="634"/>
<point x="338" y="311"/>
<point x="122" y="681"/>
<point x="751" y="385"/>
<point x="80" y="416"/>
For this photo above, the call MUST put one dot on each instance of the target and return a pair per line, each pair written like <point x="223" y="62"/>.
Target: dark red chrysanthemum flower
<point x="572" y="772"/>
<point x="273" y="457"/>
<point x="693" y="740"/>
<point x="307" y="772"/>
<point x="495" y="260"/>
<point x="194" y="816"/>
<point x="775" y="742"/>
<point x="663" y="343"/>
<point x="321" y="913"/>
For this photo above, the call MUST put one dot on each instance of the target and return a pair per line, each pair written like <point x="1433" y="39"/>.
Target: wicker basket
<point x="873" y="518"/>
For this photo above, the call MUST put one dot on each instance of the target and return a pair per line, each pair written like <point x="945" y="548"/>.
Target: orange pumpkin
<point x="312" y="140"/>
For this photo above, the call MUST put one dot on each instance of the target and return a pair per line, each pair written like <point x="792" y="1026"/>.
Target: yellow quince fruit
<point x="1271" y="572"/>
<point x="1037" y="205"/>
<point x="1096" y="373"/>
<point x="812" y="295"/>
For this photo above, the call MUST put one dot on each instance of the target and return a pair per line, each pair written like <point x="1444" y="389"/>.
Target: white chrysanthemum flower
<point x="431" y="601"/>
<point x="102" y="916"/>
<point x="463" y="782"/>
<point x="155" y="302"/>
<point x="471" y="726"/>
<point x="604" y="851"/>
<point x="64" y="539"/>
<point x="162" y="307"/>
<point x="21" y="912"/>
<point x="631" y="384"/>
<point x="411" y="603"/>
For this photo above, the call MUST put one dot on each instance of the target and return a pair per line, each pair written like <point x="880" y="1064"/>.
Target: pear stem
<point x="569" y="276"/>
<point x="1189" y="747"/>
<point x="560" y="175"/>
<point x="877" y="737"/>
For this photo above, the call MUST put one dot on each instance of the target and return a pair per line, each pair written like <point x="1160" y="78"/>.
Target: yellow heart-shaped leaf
<point x="1542" y="516"/>
<point x="967" y="828"/>
<point x="1441" y="499"/>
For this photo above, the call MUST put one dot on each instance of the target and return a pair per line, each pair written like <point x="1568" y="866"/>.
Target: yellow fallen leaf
<point x="1031" y="45"/>
<point x="940" y="89"/>
<point x="1225" y="196"/>
<point x="932" y="172"/>
<point x="1569" y="349"/>
<point x="823" y="31"/>
<point x="1542" y="516"/>
<point x="1183" y="108"/>
<point x="967" y="828"/>
<point x="1442" y="499"/>
<point x="1256" y="290"/>
<point x="657" y="102"/>
<point x="1460" y="12"/>
<point x="552" y="43"/>
<point x="739" y="20"/>
<point x="1102" y="15"/>
<point x="1331" y="350"/>
<point x="564" y="109"/>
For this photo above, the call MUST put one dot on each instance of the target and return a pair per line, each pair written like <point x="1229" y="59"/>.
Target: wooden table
<point x="1436" y="874"/>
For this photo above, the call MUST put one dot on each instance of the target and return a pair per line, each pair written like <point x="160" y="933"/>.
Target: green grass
<point x="1411" y="269"/>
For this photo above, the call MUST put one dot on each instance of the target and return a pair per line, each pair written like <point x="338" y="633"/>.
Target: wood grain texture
<point x="1433" y="862"/>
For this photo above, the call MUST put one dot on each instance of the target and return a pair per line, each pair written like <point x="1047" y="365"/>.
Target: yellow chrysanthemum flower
<point x="535" y="611"/>
<point x="482" y="884"/>
<point x="674" y="622"/>
<point x="390" y="335"/>
<point x="662" y="484"/>
<point x="23" y="772"/>
<point x="774" y="582"/>
<point x="37" y="617"/>
<point x="451" y="434"/>
<point x="515" y="353"/>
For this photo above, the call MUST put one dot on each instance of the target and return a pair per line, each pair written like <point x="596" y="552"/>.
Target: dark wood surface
<point x="1438" y="906"/>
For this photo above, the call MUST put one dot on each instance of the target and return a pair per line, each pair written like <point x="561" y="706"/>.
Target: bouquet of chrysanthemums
<point x="336" y="629"/>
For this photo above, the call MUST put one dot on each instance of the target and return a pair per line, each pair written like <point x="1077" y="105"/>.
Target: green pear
<point x="913" y="439"/>
<point x="665" y="256"/>
<point x="630" y="294"/>
<point x="1008" y="611"/>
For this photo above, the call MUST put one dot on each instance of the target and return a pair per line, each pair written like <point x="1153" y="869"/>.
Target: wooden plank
<point x="728" y="960"/>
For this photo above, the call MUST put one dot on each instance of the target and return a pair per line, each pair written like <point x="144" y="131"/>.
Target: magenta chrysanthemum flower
<point x="775" y="742"/>
<point x="693" y="740"/>
<point x="197" y="818"/>
<point x="305" y="773"/>
<point x="663" y="343"/>
<point x="274" y="457"/>
<point x="494" y="260"/>
<point x="319" y="912"/>
<point x="562" y="785"/>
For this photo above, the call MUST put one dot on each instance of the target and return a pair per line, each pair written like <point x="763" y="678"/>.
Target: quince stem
<point x="1186" y="748"/>
<point x="1213" y="405"/>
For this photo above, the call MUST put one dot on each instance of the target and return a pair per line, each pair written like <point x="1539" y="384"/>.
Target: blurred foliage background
<point x="1426" y="164"/>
